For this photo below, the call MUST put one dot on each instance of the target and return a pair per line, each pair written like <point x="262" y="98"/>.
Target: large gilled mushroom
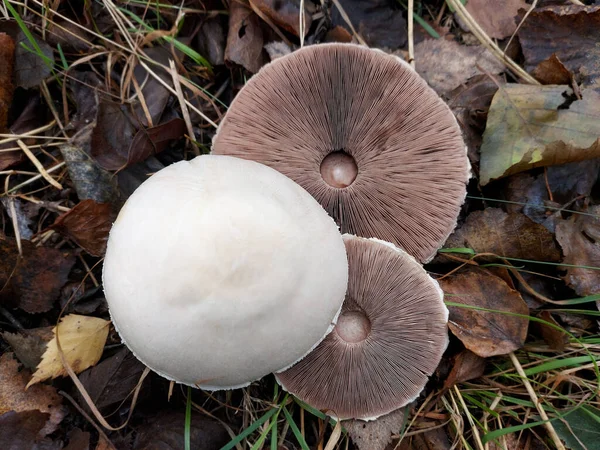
<point x="219" y="271"/>
<point x="363" y="133"/>
<point x="388" y="340"/>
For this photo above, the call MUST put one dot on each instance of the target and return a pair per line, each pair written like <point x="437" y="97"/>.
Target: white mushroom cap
<point x="219" y="271"/>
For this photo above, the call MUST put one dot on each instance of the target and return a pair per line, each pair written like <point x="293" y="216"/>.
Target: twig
<point x="15" y="222"/>
<point x="536" y="401"/>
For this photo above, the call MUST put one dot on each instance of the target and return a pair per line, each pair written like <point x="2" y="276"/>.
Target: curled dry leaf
<point x="533" y="126"/>
<point x="88" y="224"/>
<point x="284" y="13"/>
<point x="375" y="434"/>
<point x="510" y="235"/>
<point x="467" y="366"/>
<point x="29" y="345"/>
<point x="447" y="64"/>
<point x="14" y="397"/>
<point x="33" y="282"/>
<point x="485" y="333"/>
<point x="82" y="340"/>
<point x="7" y="58"/>
<point x="376" y="21"/>
<point x="470" y="103"/>
<point x="245" y="38"/>
<point x="570" y="32"/>
<point x="579" y="238"/>
<point x="498" y="19"/>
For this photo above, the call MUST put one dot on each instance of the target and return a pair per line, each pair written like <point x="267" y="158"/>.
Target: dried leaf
<point x="29" y="119"/>
<point x="33" y="282"/>
<point x="570" y="32"/>
<point x="29" y="345"/>
<point x="485" y="333"/>
<point x="446" y="64"/>
<point x="375" y="434"/>
<point x="82" y="340"/>
<point x="375" y="20"/>
<point x="30" y="68"/>
<point x="78" y="440"/>
<point x="154" y="140"/>
<point x="25" y="430"/>
<point x="556" y="339"/>
<point x="284" y="13"/>
<point x="165" y="432"/>
<point x="113" y="380"/>
<point x="511" y="235"/>
<point x="88" y="224"/>
<point x="498" y="19"/>
<point x="579" y="238"/>
<point x="211" y="40"/>
<point x="553" y="71"/>
<point x="7" y="58"/>
<point x="467" y="366"/>
<point x="14" y="397"/>
<point x="533" y="126"/>
<point x="470" y="103"/>
<point x="245" y="38"/>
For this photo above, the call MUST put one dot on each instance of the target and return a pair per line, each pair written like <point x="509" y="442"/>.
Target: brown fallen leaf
<point x="113" y="380"/>
<point x="534" y="126"/>
<point x="211" y="40"/>
<point x="82" y="340"/>
<point x="498" y="19"/>
<point x="167" y="429"/>
<point x="553" y="71"/>
<point x="7" y="58"/>
<point x="29" y="345"/>
<point x="88" y="224"/>
<point x="470" y="103"/>
<point x="284" y="13"/>
<point x="29" y="119"/>
<point x="245" y="38"/>
<point x="485" y="333"/>
<point x="25" y="430"/>
<point x="570" y="32"/>
<point x="375" y="21"/>
<point x="375" y="434"/>
<point x="78" y="440"/>
<point x="466" y="366"/>
<point x="33" y="282"/>
<point x="510" y="235"/>
<point x="447" y="64"/>
<point x="555" y="338"/>
<point x="579" y="238"/>
<point x="14" y="397"/>
<point x="434" y="439"/>
<point x="30" y="68"/>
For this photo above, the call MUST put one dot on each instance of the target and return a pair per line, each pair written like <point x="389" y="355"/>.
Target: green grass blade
<point x="560" y="363"/>
<point x="295" y="430"/>
<point x="251" y="429"/>
<point x="188" y="420"/>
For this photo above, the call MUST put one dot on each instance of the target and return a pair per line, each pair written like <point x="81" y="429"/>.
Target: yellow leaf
<point x="82" y="340"/>
<point x="534" y="126"/>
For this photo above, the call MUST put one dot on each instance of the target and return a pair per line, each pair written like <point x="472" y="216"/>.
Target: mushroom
<point x="388" y="340"/>
<point x="219" y="271"/>
<point x="363" y="133"/>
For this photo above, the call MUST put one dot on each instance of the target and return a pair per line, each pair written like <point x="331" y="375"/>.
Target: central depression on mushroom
<point x="219" y="271"/>
<point x="364" y="134"/>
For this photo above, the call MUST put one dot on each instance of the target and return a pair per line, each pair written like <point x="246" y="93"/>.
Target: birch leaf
<point x="534" y="126"/>
<point x="82" y="340"/>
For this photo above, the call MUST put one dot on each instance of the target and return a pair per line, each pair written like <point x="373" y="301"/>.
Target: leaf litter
<point x="120" y="122"/>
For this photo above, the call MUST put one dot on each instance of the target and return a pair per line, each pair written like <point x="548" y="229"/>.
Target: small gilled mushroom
<point x="388" y="340"/>
<point x="219" y="271"/>
<point x="364" y="134"/>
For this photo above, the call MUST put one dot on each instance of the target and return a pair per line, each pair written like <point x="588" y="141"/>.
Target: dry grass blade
<point x="183" y="106"/>
<point x="38" y="165"/>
